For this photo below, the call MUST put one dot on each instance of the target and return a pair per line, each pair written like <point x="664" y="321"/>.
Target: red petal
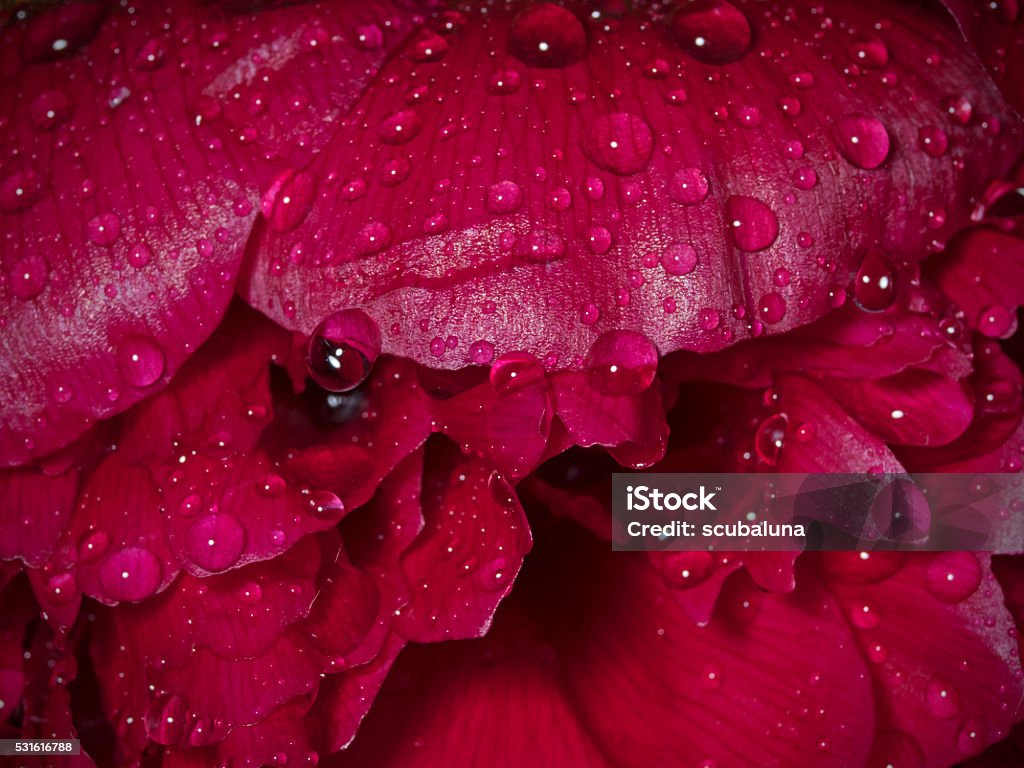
<point x="467" y="558"/>
<point x="34" y="510"/>
<point x="114" y="276"/>
<point x="948" y="688"/>
<point x="503" y="235"/>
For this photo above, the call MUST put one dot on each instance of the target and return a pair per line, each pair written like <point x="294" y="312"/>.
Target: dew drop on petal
<point x="166" y="718"/>
<point x="103" y="229"/>
<point x="622" y="363"/>
<point x="140" y="360"/>
<point x="952" y="577"/>
<point x="130" y="574"/>
<point x="620" y="142"/>
<point x="288" y="200"/>
<point x="343" y="349"/>
<point x="874" y="285"/>
<point x="688" y="186"/>
<point x="547" y="35"/>
<point x="504" y="197"/>
<point x="752" y="223"/>
<point x="712" y="31"/>
<point x="215" y="542"/>
<point x="769" y="439"/>
<point x="862" y="140"/>
<point x="514" y="371"/>
<point x="679" y="259"/>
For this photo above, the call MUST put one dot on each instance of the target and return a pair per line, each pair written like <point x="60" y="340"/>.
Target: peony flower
<point x="325" y="326"/>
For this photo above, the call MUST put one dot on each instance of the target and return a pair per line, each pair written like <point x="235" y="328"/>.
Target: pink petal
<point x="469" y="553"/>
<point x="950" y="710"/>
<point x="34" y="509"/>
<point x="114" y="276"/>
<point x="529" y="242"/>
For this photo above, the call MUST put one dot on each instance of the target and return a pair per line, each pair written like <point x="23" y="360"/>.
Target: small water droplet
<point x="770" y="437"/>
<point x="952" y="577"/>
<point x="688" y="186"/>
<point x="400" y="127"/>
<point x="504" y="197"/>
<point x="622" y="363"/>
<point x="103" y="229"/>
<point x="50" y="110"/>
<point x="874" y="285"/>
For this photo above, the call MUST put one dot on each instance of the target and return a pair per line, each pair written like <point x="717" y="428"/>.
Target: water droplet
<point x="953" y="577"/>
<point x="958" y="108"/>
<point x="679" y="259"/>
<point x="996" y="322"/>
<point x="504" y="82"/>
<point x="504" y="197"/>
<point x="753" y="224"/>
<point x="271" y="486"/>
<point x="871" y="53"/>
<point x="771" y="308"/>
<point x="20" y="190"/>
<point x="92" y="546"/>
<point x="28" y="276"/>
<point x="250" y="593"/>
<point x="166" y="718"/>
<point x="942" y="698"/>
<point x="288" y="200"/>
<point x="933" y="140"/>
<point x="862" y="140"/>
<point x="150" y="55"/>
<point x="712" y="31"/>
<point x="874" y="286"/>
<point x="688" y="186"/>
<point x="622" y="363"/>
<point x="215" y="542"/>
<point x="599" y="240"/>
<point x="514" y="371"/>
<point x="620" y="142"/>
<point x="541" y="245"/>
<point x="865" y="616"/>
<point x="684" y="570"/>
<point x="804" y="177"/>
<point x="130" y="574"/>
<point x="429" y="47"/>
<point x="61" y="588"/>
<point x="770" y="437"/>
<point x="103" y="229"/>
<point x="481" y="352"/>
<point x="50" y="110"/>
<point x="139" y="255"/>
<point x="547" y="35"/>
<point x="140" y="361"/>
<point x="972" y="736"/>
<point x="373" y="237"/>
<point x="342" y="350"/>
<point x="400" y="127"/>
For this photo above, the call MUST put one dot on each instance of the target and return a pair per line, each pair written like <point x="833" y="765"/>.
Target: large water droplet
<point x="753" y="224"/>
<point x="712" y="31"/>
<point x="620" y="142"/>
<point x="547" y="35"/>
<point x="942" y="698"/>
<point x="130" y="574"/>
<point x="622" y="363"/>
<point x="996" y="321"/>
<point x="874" y="286"/>
<point x="771" y="308"/>
<point x="289" y="199"/>
<point x="215" y="542"/>
<point x="953" y="577"/>
<point x="20" y="190"/>
<point x="862" y="140"/>
<point x="140" y="361"/>
<point x="342" y="350"/>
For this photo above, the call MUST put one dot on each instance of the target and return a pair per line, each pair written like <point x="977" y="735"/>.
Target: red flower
<point x="316" y="317"/>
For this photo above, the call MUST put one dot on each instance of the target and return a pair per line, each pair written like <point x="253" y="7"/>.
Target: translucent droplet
<point x="215" y="542"/>
<point x="684" y="570"/>
<point x="953" y="577"/>
<point x="622" y="363"/>
<point x="620" y="142"/>
<point x="933" y="140"/>
<point x="753" y="224"/>
<point x="514" y="371"/>
<point x="28" y="276"/>
<point x="504" y="197"/>
<point x="547" y="35"/>
<point x="942" y="699"/>
<point x="688" y="186"/>
<point x="130" y="574"/>
<point x="342" y="350"/>
<point x="862" y="140"/>
<point x="996" y="321"/>
<point x="679" y="259"/>
<point x="771" y="308"/>
<point x="288" y="200"/>
<point x="140" y="360"/>
<point x="769" y="439"/>
<point x="103" y="229"/>
<point x="874" y="286"/>
<point x="400" y="127"/>
<point x="712" y="31"/>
